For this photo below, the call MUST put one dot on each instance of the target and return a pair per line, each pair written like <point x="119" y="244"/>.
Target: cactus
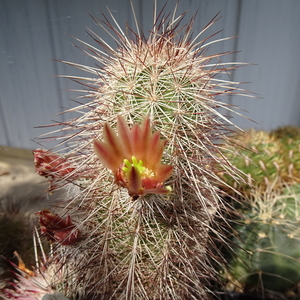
<point x="267" y="255"/>
<point x="264" y="158"/>
<point x="258" y="157"/>
<point x="139" y="169"/>
<point x="28" y="284"/>
<point x="17" y="220"/>
<point x="289" y="138"/>
<point x="267" y="227"/>
<point x="286" y="132"/>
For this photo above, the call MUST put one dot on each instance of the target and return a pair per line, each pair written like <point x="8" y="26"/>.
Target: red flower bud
<point x="49" y="164"/>
<point x="57" y="229"/>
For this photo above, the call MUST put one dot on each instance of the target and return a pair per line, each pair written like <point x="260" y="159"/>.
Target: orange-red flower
<point x="134" y="156"/>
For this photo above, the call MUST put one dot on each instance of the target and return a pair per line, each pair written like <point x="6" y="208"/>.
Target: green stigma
<point x="138" y="165"/>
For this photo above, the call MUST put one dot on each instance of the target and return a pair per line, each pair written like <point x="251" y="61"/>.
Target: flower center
<point x="138" y="165"/>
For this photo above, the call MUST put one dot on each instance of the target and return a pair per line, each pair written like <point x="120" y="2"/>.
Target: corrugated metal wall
<point x="33" y="32"/>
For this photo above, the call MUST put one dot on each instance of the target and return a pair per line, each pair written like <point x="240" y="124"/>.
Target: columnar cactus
<point x="139" y="168"/>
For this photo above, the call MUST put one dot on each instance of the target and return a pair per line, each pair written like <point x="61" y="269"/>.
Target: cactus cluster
<point x="139" y="169"/>
<point x="266" y="256"/>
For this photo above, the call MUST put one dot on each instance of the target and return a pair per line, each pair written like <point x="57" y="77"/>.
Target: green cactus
<point x="259" y="158"/>
<point x="267" y="229"/>
<point x="289" y="138"/>
<point x="267" y="253"/>
<point x="264" y="158"/>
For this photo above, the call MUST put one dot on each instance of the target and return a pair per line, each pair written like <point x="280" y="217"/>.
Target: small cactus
<point x="266" y="234"/>
<point x="258" y="157"/>
<point x="17" y="221"/>
<point x="267" y="247"/>
<point x="289" y="138"/>
<point x="264" y="158"/>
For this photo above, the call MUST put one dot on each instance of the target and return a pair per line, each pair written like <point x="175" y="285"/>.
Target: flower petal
<point x="154" y="151"/>
<point x="125" y="137"/>
<point x="163" y="172"/>
<point x="145" y="136"/>
<point x="51" y="164"/>
<point x="137" y="141"/>
<point x="107" y="157"/>
<point x="111" y="139"/>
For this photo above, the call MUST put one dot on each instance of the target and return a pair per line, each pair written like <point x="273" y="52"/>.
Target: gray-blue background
<point x="33" y="32"/>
